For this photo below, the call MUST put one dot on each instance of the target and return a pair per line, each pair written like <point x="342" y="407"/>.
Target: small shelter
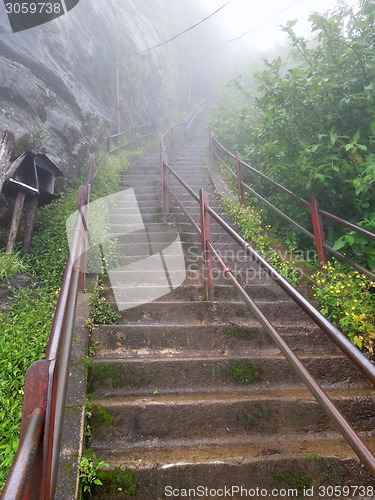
<point x="31" y="179"/>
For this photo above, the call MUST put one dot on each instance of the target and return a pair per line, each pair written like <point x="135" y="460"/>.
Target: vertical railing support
<point x="213" y="150"/>
<point x="241" y="190"/>
<point x="161" y="154"/>
<point x="83" y="208"/>
<point x="164" y="184"/>
<point x="173" y="138"/>
<point x="109" y="144"/>
<point x="206" y="254"/>
<point x="318" y="231"/>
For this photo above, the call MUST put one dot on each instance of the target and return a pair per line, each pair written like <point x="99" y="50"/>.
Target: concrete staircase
<point x="189" y="393"/>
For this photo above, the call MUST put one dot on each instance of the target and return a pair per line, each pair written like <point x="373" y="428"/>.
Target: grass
<point x="10" y="264"/>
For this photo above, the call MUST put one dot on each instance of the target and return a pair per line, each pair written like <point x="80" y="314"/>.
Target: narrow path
<point x="195" y="393"/>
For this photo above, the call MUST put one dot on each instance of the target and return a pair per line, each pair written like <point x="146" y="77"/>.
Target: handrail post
<point x="318" y="231"/>
<point x="109" y="144"/>
<point x="161" y="154"/>
<point x="82" y="205"/>
<point x="173" y="138"/>
<point x="241" y="190"/>
<point x="206" y="254"/>
<point x="213" y="150"/>
<point x="164" y="184"/>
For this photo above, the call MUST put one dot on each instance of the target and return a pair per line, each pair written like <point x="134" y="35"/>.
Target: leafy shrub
<point x="347" y="299"/>
<point x="311" y="125"/>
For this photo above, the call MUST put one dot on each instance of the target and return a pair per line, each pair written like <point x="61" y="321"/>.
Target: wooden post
<point x="318" y="232"/>
<point x="241" y="191"/>
<point x="31" y="209"/>
<point x="206" y="254"/>
<point x="17" y="212"/>
<point x="164" y="185"/>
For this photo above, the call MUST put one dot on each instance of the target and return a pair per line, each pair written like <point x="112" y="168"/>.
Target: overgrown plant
<point x="88" y="469"/>
<point x="101" y="312"/>
<point x="252" y="229"/>
<point x="10" y="264"/>
<point x="347" y="299"/>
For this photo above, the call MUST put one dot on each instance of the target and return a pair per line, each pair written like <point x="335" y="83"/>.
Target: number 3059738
<point x="33" y="8"/>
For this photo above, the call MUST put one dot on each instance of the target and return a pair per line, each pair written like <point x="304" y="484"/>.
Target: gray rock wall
<point x="57" y="81"/>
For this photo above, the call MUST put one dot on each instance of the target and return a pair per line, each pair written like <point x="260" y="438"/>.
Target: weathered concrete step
<point x="221" y="292"/>
<point x="279" y="312"/>
<point x="212" y="373"/>
<point x="283" y="467"/>
<point x="132" y="420"/>
<point x="156" y="233"/>
<point x="134" y="341"/>
<point x="181" y="219"/>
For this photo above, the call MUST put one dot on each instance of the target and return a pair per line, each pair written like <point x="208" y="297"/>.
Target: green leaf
<point x="339" y="244"/>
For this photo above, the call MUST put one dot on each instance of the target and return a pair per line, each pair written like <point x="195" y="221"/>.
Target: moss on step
<point x="243" y="372"/>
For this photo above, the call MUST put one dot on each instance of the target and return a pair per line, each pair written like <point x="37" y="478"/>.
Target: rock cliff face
<point x="58" y="83"/>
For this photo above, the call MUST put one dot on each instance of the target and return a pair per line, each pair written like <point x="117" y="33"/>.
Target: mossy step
<point x="201" y="312"/>
<point x="120" y="341"/>
<point x="268" y="467"/>
<point x="215" y="372"/>
<point x="192" y="293"/>
<point x="131" y="421"/>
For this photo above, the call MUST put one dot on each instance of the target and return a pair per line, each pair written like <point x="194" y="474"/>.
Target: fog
<point x="263" y="19"/>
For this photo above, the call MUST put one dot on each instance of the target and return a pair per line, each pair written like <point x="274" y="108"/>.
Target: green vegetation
<point x="295" y="479"/>
<point x="24" y="333"/>
<point x="347" y="299"/>
<point x="243" y="372"/>
<point x="238" y="331"/>
<point x="89" y="469"/>
<point x="257" y="418"/>
<point x="101" y="312"/>
<point x="252" y="229"/>
<point x="311" y="126"/>
<point x="118" y="481"/>
<point x="10" y="264"/>
<point x="100" y="415"/>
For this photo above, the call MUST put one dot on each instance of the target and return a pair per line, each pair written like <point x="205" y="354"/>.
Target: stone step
<point x="224" y="416"/>
<point x="120" y="341"/>
<point x="214" y="372"/>
<point x="282" y="467"/>
<point x="171" y="312"/>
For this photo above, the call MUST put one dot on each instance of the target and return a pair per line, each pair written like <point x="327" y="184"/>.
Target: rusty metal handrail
<point x="364" y="365"/>
<point x="320" y="244"/>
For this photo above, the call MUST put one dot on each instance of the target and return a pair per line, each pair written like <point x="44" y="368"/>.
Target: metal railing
<point x="313" y="205"/>
<point x="168" y="139"/>
<point x="210" y="254"/>
<point x="33" y="474"/>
